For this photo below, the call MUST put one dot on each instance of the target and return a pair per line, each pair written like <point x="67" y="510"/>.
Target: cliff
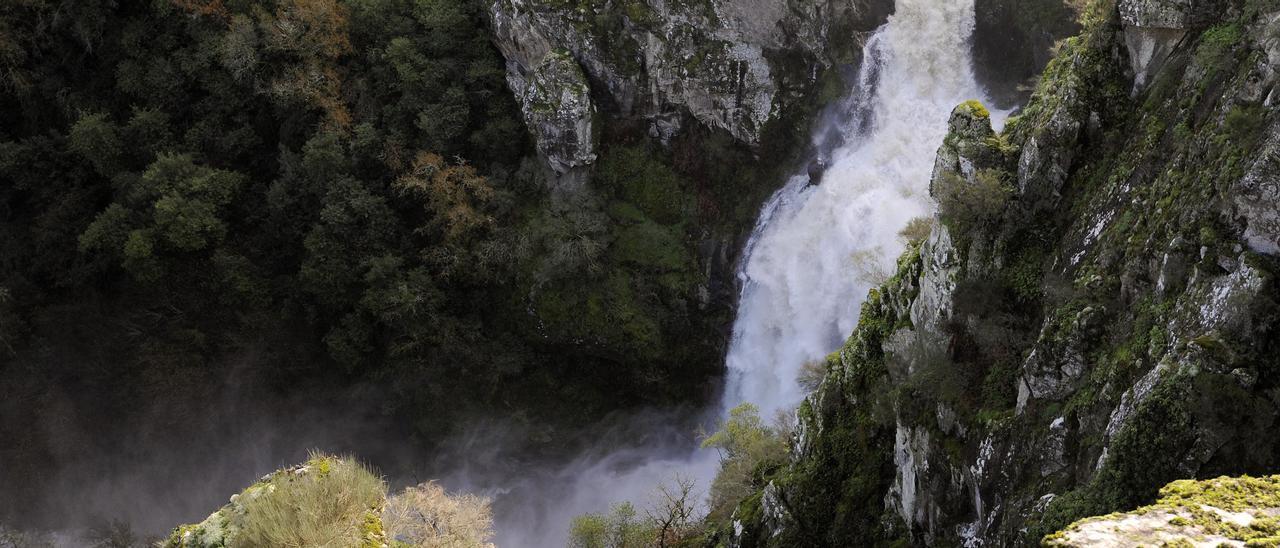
<point x="731" y="65"/>
<point x="1093" y="315"/>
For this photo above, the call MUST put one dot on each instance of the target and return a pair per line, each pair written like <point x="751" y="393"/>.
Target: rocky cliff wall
<point x="730" y="65"/>
<point x="1105" y="322"/>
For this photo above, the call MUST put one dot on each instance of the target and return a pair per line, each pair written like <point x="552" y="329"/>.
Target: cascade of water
<point x="800" y="287"/>
<point x="817" y="250"/>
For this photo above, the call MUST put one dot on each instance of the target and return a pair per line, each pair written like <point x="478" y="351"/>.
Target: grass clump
<point x="337" y="502"/>
<point x="916" y="231"/>
<point x="323" y="503"/>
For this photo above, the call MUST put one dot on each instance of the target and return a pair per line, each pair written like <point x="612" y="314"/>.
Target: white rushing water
<point x="817" y="250"/>
<point x="801" y="287"/>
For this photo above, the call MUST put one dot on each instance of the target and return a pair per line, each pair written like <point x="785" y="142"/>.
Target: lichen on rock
<point x="1241" y="511"/>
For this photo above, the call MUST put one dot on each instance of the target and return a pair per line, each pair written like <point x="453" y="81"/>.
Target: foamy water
<point x="814" y="254"/>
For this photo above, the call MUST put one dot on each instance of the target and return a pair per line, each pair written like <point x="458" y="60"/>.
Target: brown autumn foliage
<point x="315" y="31"/>
<point x="454" y="194"/>
<point x="213" y="8"/>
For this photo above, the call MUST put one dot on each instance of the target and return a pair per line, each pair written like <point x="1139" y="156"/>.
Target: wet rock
<point x="1048" y="154"/>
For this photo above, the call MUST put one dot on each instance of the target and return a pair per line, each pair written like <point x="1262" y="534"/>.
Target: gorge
<point x="639" y="273"/>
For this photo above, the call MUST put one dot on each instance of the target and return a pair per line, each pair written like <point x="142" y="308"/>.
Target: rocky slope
<point x="1094" y="315"/>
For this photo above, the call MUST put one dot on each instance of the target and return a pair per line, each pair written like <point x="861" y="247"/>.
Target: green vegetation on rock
<point x="1188" y="512"/>
<point x="338" y="502"/>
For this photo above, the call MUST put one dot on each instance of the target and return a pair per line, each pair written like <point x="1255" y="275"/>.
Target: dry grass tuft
<point x="427" y="516"/>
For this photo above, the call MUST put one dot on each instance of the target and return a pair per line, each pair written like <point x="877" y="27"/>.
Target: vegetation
<point x="324" y="504"/>
<point x="748" y="449"/>
<point x="309" y="195"/>
<point x="673" y="520"/>
<point x="338" y="502"/>
<point x="968" y="204"/>
<point x="916" y="231"/>
<point x="426" y="516"/>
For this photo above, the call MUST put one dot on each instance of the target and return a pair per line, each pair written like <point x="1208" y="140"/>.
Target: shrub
<point x="324" y="503"/>
<point x="811" y="374"/>
<point x="425" y="515"/>
<point x="746" y="446"/>
<point x="621" y="528"/>
<point x="12" y="538"/>
<point x="869" y="268"/>
<point x="112" y="534"/>
<point x="916" y="231"/>
<point x="970" y="204"/>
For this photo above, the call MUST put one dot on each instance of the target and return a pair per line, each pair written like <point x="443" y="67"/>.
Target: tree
<point x="98" y="140"/>
<point x="174" y="207"/>
<point x="620" y="528"/>
<point x="971" y="203"/>
<point x="674" y="514"/>
<point x="454" y="195"/>
<point x="746" y="445"/>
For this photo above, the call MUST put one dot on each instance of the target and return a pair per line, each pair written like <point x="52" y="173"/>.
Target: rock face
<point x="1113" y="328"/>
<point x="732" y="65"/>
<point x="557" y="107"/>
<point x="1153" y="28"/>
<point x="1219" y="512"/>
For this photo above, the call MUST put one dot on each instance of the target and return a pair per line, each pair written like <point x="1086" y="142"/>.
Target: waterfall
<point x="801" y="290"/>
<point x="817" y="249"/>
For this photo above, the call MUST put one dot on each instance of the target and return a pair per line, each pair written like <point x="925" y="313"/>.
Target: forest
<point x="306" y="196"/>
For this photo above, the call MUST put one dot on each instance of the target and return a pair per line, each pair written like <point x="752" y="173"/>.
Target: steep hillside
<point x="1093" y="315"/>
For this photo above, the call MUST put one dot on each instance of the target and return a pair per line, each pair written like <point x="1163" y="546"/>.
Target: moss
<point x="1216" y="45"/>
<point x="976" y="109"/>
<point x="1196" y="506"/>
<point x="373" y="534"/>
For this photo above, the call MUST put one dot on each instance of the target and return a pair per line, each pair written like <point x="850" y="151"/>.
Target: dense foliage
<point x="302" y="196"/>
